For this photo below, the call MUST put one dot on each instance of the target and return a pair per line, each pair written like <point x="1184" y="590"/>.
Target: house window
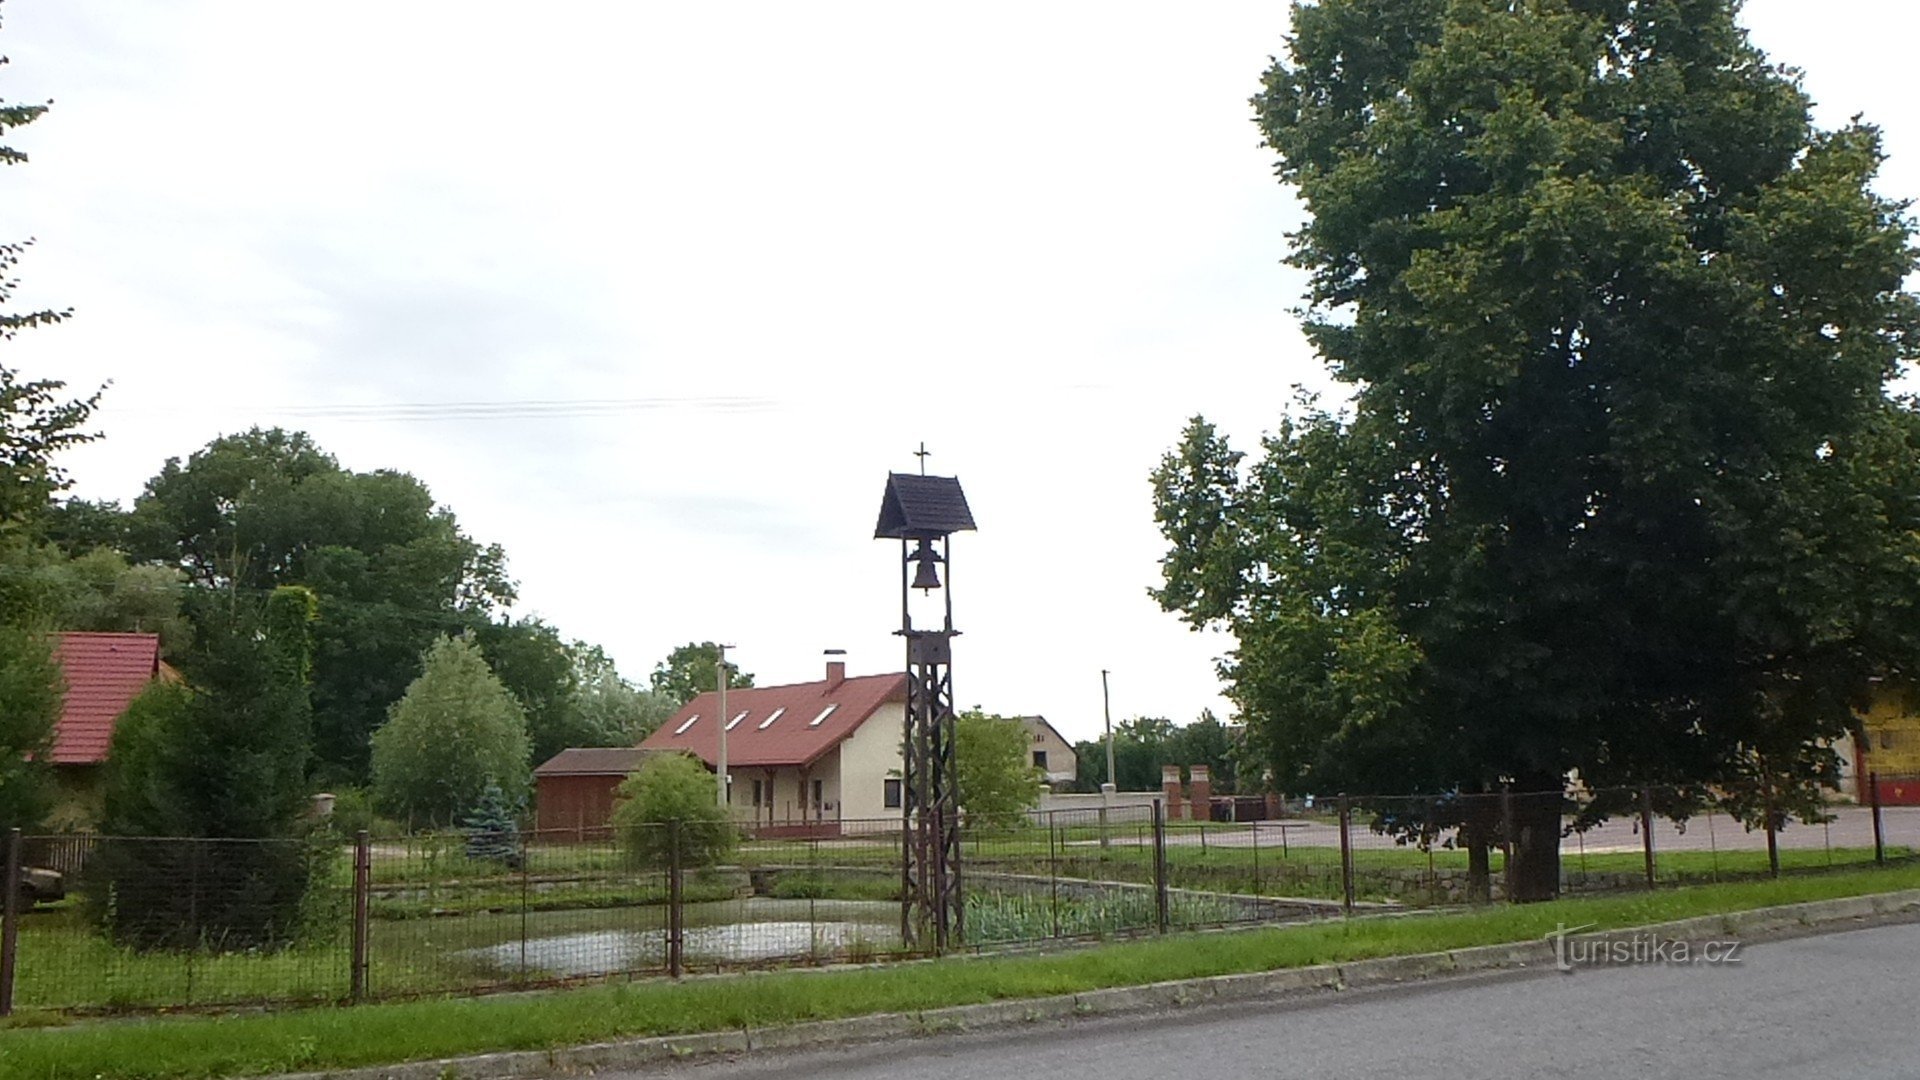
<point x="818" y="787"/>
<point x="682" y="729"/>
<point x="822" y="718"/>
<point x="768" y="722"/>
<point x="756" y="793"/>
<point x="735" y="722"/>
<point x="1040" y="760"/>
<point x="892" y="796"/>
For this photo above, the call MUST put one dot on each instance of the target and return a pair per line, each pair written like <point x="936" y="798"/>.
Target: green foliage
<point x="671" y="798"/>
<point x="1620" y="487"/>
<point x="456" y="731"/>
<point x="1143" y="745"/>
<point x="31" y="691"/>
<point x="393" y="571"/>
<point x="997" y="778"/>
<point x="693" y="669"/>
<point x="35" y="422"/>
<point x="97" y="590"/>
<point x="493" y="829"/>
<point x="573" y="694"/>
<point x="223" y="762"/>
<point x="610" y="710"/>
<point x="532" y="661"/>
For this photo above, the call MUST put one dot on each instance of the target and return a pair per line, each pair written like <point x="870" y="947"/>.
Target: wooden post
<point x="10" y="922"/>
<point x="1773" y="832"/>
<point x="676" y="910"/>
<point x="1346" y="856"/>
<point x="1510" y="840"/>
<point x="1646" y="832"/>
<point x="362" y="881"/>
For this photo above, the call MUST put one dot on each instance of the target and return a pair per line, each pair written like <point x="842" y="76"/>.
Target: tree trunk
<point x="1536" y="841"/>
<point x="1482" y="814"/>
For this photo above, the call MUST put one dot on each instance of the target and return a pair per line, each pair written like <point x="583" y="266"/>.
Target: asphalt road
<point x="1833" y="1005"/>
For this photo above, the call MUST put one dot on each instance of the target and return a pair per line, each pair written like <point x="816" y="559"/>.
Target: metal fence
<point x="168" y="923"/>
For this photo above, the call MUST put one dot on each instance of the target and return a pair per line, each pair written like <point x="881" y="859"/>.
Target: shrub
<point x="670" y="792"/>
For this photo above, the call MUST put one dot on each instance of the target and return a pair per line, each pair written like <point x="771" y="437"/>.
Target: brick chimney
<point x="1200" y="792"/>
<point x="1170" y="790"/>
<point x="836" y="667"/>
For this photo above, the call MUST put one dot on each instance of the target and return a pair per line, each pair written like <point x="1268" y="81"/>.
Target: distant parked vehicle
<point x="39" y="885"/>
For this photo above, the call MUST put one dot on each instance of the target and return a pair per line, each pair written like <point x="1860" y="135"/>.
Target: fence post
<point x="1646" y="831"/>
<point x="1879" y="837"/>
<point x="1508" y="838"/>
<point x="1253" y="828"/>
<point x="1346" y="856"/>
<point x="1162" y="915"/>
<point x="362" y="882"/>
<point x="1053" y="870"/>
<point x="10" y="922"/>
<point x="676" y="910"/>
<point x="1773" y="833"/>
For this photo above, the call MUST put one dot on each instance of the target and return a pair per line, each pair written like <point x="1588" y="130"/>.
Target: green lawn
<point x="174" y="1048"/>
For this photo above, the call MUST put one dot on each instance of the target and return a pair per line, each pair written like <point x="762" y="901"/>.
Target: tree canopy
<point x="691" y="670"/>
<point x="1620" y="486"/>
<point x="392" y="569"/>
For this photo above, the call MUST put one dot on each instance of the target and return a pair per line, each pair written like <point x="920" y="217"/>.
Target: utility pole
<point x="720" y="678"/>
<point x="1106" y="710"/>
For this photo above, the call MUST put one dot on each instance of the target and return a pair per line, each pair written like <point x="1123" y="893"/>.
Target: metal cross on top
<point x="923" y="454"/>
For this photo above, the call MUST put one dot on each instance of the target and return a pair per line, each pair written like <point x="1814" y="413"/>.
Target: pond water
<point x="739" y="931"/>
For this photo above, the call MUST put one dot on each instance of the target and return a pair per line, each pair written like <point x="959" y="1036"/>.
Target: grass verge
<point x="187" y="1048"/>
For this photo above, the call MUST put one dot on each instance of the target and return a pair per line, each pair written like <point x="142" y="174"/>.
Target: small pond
<point x="723" y="932"/>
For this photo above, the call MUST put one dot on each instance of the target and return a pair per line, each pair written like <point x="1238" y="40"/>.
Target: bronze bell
<point x="926" y="575"/>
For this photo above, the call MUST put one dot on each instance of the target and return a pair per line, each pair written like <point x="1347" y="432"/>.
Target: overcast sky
<point x="762" y="250"/>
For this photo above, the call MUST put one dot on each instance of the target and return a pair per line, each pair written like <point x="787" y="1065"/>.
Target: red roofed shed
<point x="104" y="673"/>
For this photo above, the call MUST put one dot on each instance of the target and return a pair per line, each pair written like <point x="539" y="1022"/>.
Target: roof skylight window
<point x="682" y="729"/>
<point x="822" y="718"/>
<point x="771" y="717"/>
<point x="735" y="722"/>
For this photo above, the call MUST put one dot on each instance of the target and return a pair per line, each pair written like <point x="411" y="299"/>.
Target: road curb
<point x="1061" y="1008"/>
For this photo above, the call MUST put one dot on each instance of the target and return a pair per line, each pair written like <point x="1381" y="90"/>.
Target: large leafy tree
<point x="693" y="669"/>
<point x="393" y="570"/>
<point x="37" y="421"/>
<point x="1620" y="487"/>
<point x="456" y="732"/>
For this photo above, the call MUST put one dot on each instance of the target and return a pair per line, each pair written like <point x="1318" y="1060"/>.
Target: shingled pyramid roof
<point x="922" y="507"/>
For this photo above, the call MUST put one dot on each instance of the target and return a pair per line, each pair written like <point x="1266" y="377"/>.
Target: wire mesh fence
<point x="100" y="924"/>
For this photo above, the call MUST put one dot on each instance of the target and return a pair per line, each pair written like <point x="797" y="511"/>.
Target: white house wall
<point x="866" y="760"/>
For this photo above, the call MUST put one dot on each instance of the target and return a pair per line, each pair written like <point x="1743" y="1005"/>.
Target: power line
<point x="526" y="409"/>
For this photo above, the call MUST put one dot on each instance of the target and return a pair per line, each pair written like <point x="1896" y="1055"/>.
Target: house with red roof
<point x="104" y="673"/>
<point x="808" y="758"/>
